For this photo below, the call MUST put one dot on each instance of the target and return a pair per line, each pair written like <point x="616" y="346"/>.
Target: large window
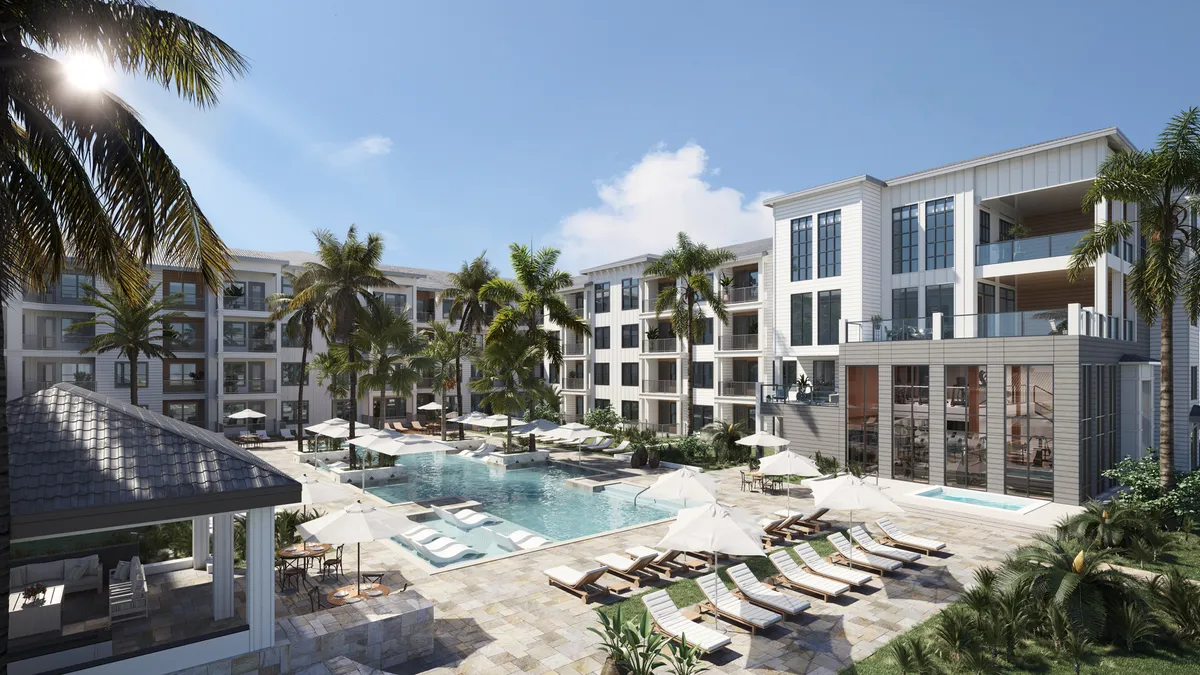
<point x="802" y="328"/>
<point x="235" y="333"/>
<point x="629" y="294"/>
<point x="940" y="299"/>
<point x="629" y="374"/>
<point x="904" y="307"/>
<point x="600" y="373"/>
<point x="703" y="372"/>
<point x="123" y="379"/>
<point x="702" y="416"/>
<point x="602" y="403"/>
<point x="939" y="234"/>
<point x="802" y="248"/>
<point x="629" y="411"/>
<point x="707" y="337"/>
<point x="862" y="417"/>
<point x="601" y="337"/>
<point x="905" y="225"/>
<point x="910" y="423"/>
<point x="829" y="244"/>
<point x="602" y="297"/>
<point x="629" y="335"/>
<point x="185" y="288"/>
<point x="829" y="314"/>
<point x="966" y="427"/>
<point x="293" y="374"/>
<point x="191" y="412"/>
<point x="1029" y="431"/>
<point x="287" y="412"/>
<point x="1099" y="447"/>
<point x="985" y="227"/>
<point x="824" y="377"/>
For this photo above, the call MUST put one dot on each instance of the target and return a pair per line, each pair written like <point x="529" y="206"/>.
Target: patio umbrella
<point x="573" y="426"/>
<point x="850" y="493"/>
<point x="334" y="427"/>
<point x="787" y="463"/>
<point x="313" y="491"/>
<point x="468" y="418"/>
<point x="538" y="427"/>
<point x="246" y="414"/>
<point x="432" y="405"/>
<point x="716" y="528"/>
<point x="762" y="438"/>
<point x="682" y="485"/>
<point x="354" y="524"/>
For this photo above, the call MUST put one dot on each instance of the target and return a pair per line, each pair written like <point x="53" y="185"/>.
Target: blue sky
<point x="604" y="128"/>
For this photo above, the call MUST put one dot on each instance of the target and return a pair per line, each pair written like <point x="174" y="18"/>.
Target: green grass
<point x="1185" y="556"/>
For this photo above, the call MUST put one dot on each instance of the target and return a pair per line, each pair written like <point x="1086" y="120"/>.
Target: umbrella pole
<point x="358" y="563"/>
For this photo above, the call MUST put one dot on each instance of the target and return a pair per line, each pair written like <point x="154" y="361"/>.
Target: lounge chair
<point x="898" y="537"/>
<point x="777" y="528"/>
<point x="332" y="467"/>
<point x="666" y="562"/>
<point x="847" y="555"/>
<point x="762" y="595"/>
<point x="421" y="534"/>
<point x="444" y="550"/>
<point x="807" y="523"/>
<point x="287" y="434"/>
<point x="517" y="541"/>
<point x="866" y="543"/>
<point x="416" y="425"/>
<point x="723" y="603"/>
<point x="618" y="448"/>
<point x="466" y="519"/>
<point x="602" y="444"/>
<point x="630" y="569"/>
<point x="262" y="435"/>
<point x="791" y="575"/>
<point x="824" y="568"/>
<point x="392" y="427"/>
<point x="670" y="622"/>
<point x="582" y="584"/>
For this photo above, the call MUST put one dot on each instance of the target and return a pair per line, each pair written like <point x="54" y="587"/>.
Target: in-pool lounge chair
<point x="848" y="555"/>
<point x="898" y="537"/>
<point x="635" y="570"/>
<point x="466" y="519"/>
<point x="791" y="575"/>
<point x="670" y="563"/>
<point x="722" y="602"/>
<point x="618" y="448"/>
<point x="421" y="534"/>
<point x="866" y="543"/>
<point x="581" y="584"/>
<point x="444" y="550"/>
<point x="670" y="622"/>
<point x="517" y="541"/>
<point x="753" y="590"/>
<point x="822" y="567"/>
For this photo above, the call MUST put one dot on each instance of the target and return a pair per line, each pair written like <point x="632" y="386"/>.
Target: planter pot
<point x="610" y="667"/>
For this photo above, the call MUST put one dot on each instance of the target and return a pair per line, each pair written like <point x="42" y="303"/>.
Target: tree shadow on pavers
<point x="937" y="584"/>
<point x="809" y="636"/>
<point x="453" y="641"/>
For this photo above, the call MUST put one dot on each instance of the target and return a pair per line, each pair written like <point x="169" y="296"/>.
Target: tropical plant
<point x="684" y="659"/>
<point x="509" y="384"/>
<point x="1133" y="626"/>
<point x="828" y="466"/>
<point x="390" y="349"/>
<point x="548" y="411"/>
<point x="1108" y="525"/>
<point x="470" y="310"/>
<point x="443" y="349"/>
<point x="1078" y="645"/>
<point x="341" y="280"/>
<point x="612" y="640"/>
<point x="1160" y="181"/>
<point x="604" y="419"/>
<point x="912" y="656"/>
<point x="954" y="635"/>
<point x="1177" y="600"/>
<point x="689" y="263"/>
<point x="724" y="436"/>
<point x="299" y="321"/>
<point x="643" y="646"/>
<point x="137" y="323"/>
<point x="331" y="373"/>
<point x="1013" y="610"/>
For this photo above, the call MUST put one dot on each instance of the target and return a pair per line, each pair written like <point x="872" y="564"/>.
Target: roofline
<point x="635" y="260"/>
<point x="808" y="192"/>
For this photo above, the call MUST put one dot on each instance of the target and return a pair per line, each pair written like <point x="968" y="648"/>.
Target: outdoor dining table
<point x="340" y="596"/>
<point x="305" y="552"/>
<point x="766" y="483"/>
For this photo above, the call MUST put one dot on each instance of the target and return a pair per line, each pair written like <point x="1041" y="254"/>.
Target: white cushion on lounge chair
<point x="664" y="612"/>
<point x="863" y="538"/>
<point x="446" y="553"/>
<point x="622" y="563"/>
<point x="517" y="541"/>
<point x="619" y="448"/>
<point x="790" y="570"/>
<point x="843" y="546"/>
<point x="569" y="576"/>
<point x="639" y="551"/>
<point x="466" y="519"/>
<point x="824" y="568"/>
<point x="900" y="536"/>
<point x="421" y="534"/>
<point x="759" y="593"/>
<point x="727" y="603"/>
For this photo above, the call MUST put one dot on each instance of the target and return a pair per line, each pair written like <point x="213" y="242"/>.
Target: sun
<point x="85" y="72"/>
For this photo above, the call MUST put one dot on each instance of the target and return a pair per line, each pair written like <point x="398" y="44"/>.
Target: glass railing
<point x="738" y="294"/>
<point x="573" y="383"/>
<point x="425" y="317"/>
<point x="572" y="348"/>
<point x="737" y="342"/>
<point x="1031" y="323"/>
<point x="784" y="393"/>
<point x="66" y="341"/>
<point x="38" y="385"/>
<point x="733" y="388"/>
<point x="184" y="385"/>
<point x="891" y="330"/>
<point x="256" y="386"/>
<point x="1030" y="248"/>
<point x="242" y="302"/>
<point x="660" y="386"/>
<point x="661" y="345"/>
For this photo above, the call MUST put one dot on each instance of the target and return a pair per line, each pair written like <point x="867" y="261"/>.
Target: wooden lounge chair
<point x="581" y="584"/>
<point x="392" y="427"/>
<point x="847" y="555"/>
<point x="667" y="562"/>
<point x="753" y="590"/>
<point x="866" y="543"/>
<point x="670" y="622"/>
<point x="822" y="567"/>
<point x="722" y="602"/>
<point x="897" y="537"/>
<point x="634" y="570"/>
<point x="780" y="528"/>
<point x="416" y="425"/>
<point x="792" y="576"/>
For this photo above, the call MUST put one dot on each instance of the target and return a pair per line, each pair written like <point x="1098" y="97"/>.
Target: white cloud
<point x="662" y="194"/>
<point x="374" y="145"/>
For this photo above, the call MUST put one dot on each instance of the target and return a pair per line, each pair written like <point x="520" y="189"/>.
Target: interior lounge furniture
<point x="127" y="591"/>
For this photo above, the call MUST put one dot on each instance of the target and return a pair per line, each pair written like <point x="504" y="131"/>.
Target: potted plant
<point x="639" y="458"/>
<point x="654" y="458"/>
<point x="612" y="643"/>
<point x="726" y="281"/>
<point x="33" y="592"/>
<point x="653" y="333"/>
<point x="876" y="325"/>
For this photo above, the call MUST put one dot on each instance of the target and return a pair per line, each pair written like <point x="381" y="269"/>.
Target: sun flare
<point x="85" y="72"/>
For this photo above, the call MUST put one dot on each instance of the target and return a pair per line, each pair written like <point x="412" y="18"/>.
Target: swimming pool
<point x="535" y="499"/>
<point x="988" y="500"/>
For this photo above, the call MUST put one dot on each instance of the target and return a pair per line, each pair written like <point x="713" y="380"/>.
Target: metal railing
<point x="660" y="386"/>
<point x="68" y="341"/>
<point x="38" y="385"/>
<point x="244" y="303"/>
<point x="738" y="294"/>
<point x="55" y="296"/>
<point x="1030" y="248"/>
<point x="572" y="348"/>
<point x="573" y="383"/>
<point x="733" y="388"/>
<point x="249" y="386"/>
<point x="425" y="317"/>
<point x="782" y="393"/>
<point x="737" y="342"/>
<point x="660" y="346"/>
<point x="660" y="428"/>
<point x="186" y="385"/>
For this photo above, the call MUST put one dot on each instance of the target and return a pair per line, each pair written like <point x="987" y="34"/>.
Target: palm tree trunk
<point x="133" y="380"/>
<point x="508" y="443"/>
<point x="382" y="407"/>
<point x="1166" y="402"/>
<point x="300" y="394"/>
<point x="532" y="437"/>
<point x="691" y="353"/>
<point x="443" y="402"/>
<point x="353" y="407"/>
<point x="4" y="495"/>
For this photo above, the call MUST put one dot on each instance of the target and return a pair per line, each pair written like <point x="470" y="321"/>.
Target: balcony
<point x="425" y="317"/>
<point x="573" y="349"/>
<point x="185" y="345"/>
<point x="783" y="393"/>
<point x="256" y="386"/>
<point x="736" y="343"/>
<point x="895" y="330"/>
<point x="732" y="388"/>
<point x="252" y="345"/>
<point x="1029" y="248"/>
<point x="660" y="346"/>
<point x="186" y="385"/>
<point x="262" y="345"/>
<point x="573" y="383"/>
<point x="242" y="303"/>
<point x="56" y="296"/>
<point x="660" y="428"/>
<point x="660" y="386"/>
<point x="425" y="383"/>
<point x="65" y="342"/>
<point x="737" y="294"/>
<point x="38" y="385"/>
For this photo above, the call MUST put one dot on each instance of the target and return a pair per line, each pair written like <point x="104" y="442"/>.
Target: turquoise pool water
<point x="984" y="499"/>
<point x="535" y="499"/>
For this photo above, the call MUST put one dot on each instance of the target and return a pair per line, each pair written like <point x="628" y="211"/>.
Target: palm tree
<point x="300" y="318"/>
<point x="443" y="349"/>
<point x="1107" y="525"/>
<point x="341" y="282"/>
<point x="75" y="165"/>
<point x="469" y="309"/>
<point x="391" y="350"/>
<point x="1160" y="182"/>
<point x="509" y="383"/>
<point x="136" y="323"/>
<point x="725" y="435"/>
<point x="331" y="373"/>
<point x="689" y="264"/>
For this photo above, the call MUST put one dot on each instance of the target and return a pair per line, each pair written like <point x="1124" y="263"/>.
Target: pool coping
<point x="975" y="508"/>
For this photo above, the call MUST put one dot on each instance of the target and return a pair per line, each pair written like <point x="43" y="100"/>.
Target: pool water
<point x="535" y="499"/>
<point x="984" y="499"/>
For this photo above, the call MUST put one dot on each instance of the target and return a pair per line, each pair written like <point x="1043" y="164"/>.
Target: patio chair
<point x="604" y="443"/>
<point x="670" y="622"/>
<point x="316" y="597"/>
<point x="633" y="570"/>
<point x="617" y="449"/>
<point x="866" y="543"/>
<point x="391" y="426"/>
<point x="747" y="481"/>
<point x="807" y="522"/>
<point x="722" y="602"/>
<point x="517" y="541"/>
<point x="791" y="575"/>
<point x="287" y="434"/>
<point x="581" y="584"/>
<point x="755" y="591"/>
<point x="262" y="435"/>
<point x="333" y="564"/>
<point x="666" y="562"/>
<point x="780" y="527"/>
<point x="820" y="566"/>
<point x="332" y="467"/>
<point x="846" y="554"/>
<point x="416" y="425"/>
<point x="898" y="537"/>
<point x="465" y="519"/>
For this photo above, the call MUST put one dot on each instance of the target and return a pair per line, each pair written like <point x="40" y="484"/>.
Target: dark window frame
<point x="829" y="244"/>
<point x="829" y="314"/>
<point x="906" y="227"/>
<point x="939" y="234"/>
<point x="802" y="248"/>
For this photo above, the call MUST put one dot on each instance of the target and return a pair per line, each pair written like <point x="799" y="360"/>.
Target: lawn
<point x="1185" y="555"/>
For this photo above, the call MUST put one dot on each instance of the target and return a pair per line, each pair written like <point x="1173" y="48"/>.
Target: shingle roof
<point x="72" y="450"/>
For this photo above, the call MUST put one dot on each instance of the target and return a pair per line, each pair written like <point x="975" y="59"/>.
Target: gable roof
<point x="79" y="460"/>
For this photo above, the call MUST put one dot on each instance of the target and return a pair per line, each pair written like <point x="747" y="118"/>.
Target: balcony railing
<point x="660" y="386"/>
<point x="244" y="303"/>
<point x="660" y="346"/>
<point x="56" y="296"/>
<point x="425" y="317"/>
<point x="737" y="342"/>
<point x="573" y="383"/>
<point x="249" y="386"/>
<point x="195" y="345"/>
<point x="1030" y="248"/>
<point x="892" y="330"/>
<point x="782" y="393"/>
<point x="186" y="385"/>
<point x="65" y="342"/>
<point x="1072" y="320"/>
<point x="38" y="385"/>
<point x="659" y="427"/>
<point x="738" y="294"/>
<point x="1011" y="324"/>
<point x="732" y="388"/>
<point x="572" y="349"/>
<point x="262" y="345"/>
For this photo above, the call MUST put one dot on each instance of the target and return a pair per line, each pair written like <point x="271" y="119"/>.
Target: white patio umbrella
<point x="495" y="422"/>
<point x="762" y="438"/>
<point x="573" y="426"/>
<point x="468" y="418"/>
<point x="538" y="427"/>
<point x="246" y="414"/>
<point x="787" y="463"/>
<point x="715" y="528"/>
<point x="313" y="491"/>
<point x="354" y="524"/>
<point x="335" y="427"/>
<point x="682" y="485"/>
<point x="369" y="439"/>
<point x="850" y="493"/>
<point x="432" y="405"/>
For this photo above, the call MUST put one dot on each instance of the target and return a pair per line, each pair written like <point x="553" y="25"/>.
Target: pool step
<point x="972" y="518"/>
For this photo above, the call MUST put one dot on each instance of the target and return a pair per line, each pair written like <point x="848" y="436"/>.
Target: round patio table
<point x="304" y="552"/>
<point x="351" y="591"/>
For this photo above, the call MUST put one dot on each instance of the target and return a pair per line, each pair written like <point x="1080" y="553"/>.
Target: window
<point x="287" y="412"/>
<point x="601" y="337"/>
<point x="600" y="373"/>
<point x="966" y="427"/>
<point x="602" y="403"/>
<point x="187" y="335"/>
<point x="985" y="299"/>
<point x="702" y="416"/>
<point x="789" y="372"/>
<point x="940" y="299"/>
<point x="802" y="333"/>
<point x="397" y="301"/>
<point x="71" y="285"/>
<point x="703" y="372"/>
<point x="629" y="374"/>
<point x="939" y="234"/>
<point x="629" y="294"/>
<point x="1008" y="300"/>
<point x="904" y="306"/>
<point x="1006" y="229"/>
<point x="1099" y="446"/>
<point x="629" y="411"/>
<point x="824" y="375"/>
<point x="707" y="337"/>
<point x="862" y="417"/>
<point x="294" y="341"/>
<point x="185" y="288"/>
<point x="1195" y="375"/>
<point x="1029" y="431"/>
<point x="910" y="423"/>
<point x="802" y="248"/>
<point x="829" y="244"/>
<point x="285" y="285"/>
<point x="293" y="375"/>
<point x="829" y="314"/>
<point x="184" y="411"/>
<point x="602" y="297"/>
<point x="235" y="333"/>
<point x="394" y="406"/>
<point x="122" y="374"/>
<point x="905" y="224"/>
<point x="447" y="308"/>
<point x="985" y="227"/>
<point x="629" y="335"/>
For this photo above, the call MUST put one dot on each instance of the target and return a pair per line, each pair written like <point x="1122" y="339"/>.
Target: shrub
<point x="604" y="419"/>
<point x="826" y="465"/>
<point x="694" y="449"/>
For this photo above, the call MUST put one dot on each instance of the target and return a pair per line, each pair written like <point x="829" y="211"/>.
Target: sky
<point x="604" y="128"/>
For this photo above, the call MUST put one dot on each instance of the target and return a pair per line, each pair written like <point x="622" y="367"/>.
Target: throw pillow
<point x="122" y="573"/>
<point x="16" y="577"/>
<point x="92" y="562"/>
<point x="75" y="569"/>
